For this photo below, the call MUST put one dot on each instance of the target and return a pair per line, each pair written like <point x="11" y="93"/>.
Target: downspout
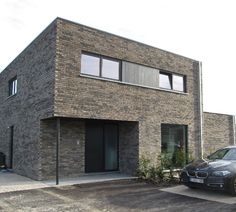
<point x="234" y="130"/>
<point x="58" y="149"/>
<point x="201" y="141"/>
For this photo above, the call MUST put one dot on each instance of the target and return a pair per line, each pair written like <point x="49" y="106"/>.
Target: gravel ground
<point x="109" y="196"/>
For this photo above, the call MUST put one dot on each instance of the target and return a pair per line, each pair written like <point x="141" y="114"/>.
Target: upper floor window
<point x="172" y="81"/>
<point x="100" y="66"/>
<point x="165" y="80"/>
<point x="109" y="68"/>
<point x="178" y="83"/>
<point x="90" y="65"/>
<point x="12" y="85"/>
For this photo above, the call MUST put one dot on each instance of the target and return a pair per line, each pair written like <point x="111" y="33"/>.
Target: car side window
<point x="218" y="154"/>
<point x="231" y="155"/>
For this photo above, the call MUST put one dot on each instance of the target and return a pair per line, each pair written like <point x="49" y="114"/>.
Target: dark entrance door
<point x="11" y="147"/>
<point x="101" y="147"/>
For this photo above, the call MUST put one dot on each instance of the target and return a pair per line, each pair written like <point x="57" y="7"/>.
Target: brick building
<point x="83" y="100"/>
<point x="219" y="131"/>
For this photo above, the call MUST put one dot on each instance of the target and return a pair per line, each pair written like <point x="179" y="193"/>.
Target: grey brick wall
<point x="34" y="68"/>
<point x="71" y="152"/>
<point x="81" y="97"/>
<point x="128" y="147"/>
<point x="72" y="148"/>
<point x="218" y="132"/>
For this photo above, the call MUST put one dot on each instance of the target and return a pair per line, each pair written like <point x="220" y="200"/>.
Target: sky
<point x="203" y="30"/>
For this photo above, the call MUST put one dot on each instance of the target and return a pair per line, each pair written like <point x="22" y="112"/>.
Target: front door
<point x="11" y="147"/>
<point x="101" y="147"/>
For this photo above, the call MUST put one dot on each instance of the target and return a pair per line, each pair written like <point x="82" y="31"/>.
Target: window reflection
<point x="90" y="65"/>
<point x="174" y="144"/>
<point x="12" y="86"/>
<point x="165" y="81"/>
<point x="110" y="69"/>
<point x="178" y="83"/>
<point x="100" y="66"/>
<point x="115" y="69"/>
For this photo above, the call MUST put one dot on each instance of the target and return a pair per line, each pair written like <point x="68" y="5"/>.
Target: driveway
<point x="202" y="194"/>
<point x="128" y="195"/>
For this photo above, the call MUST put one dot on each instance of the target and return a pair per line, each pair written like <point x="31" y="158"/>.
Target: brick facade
<point x="51" y="85"/>
<point x="80" y="96"/>
<point x="218" y="131"/>
<point x="35" y="71"/>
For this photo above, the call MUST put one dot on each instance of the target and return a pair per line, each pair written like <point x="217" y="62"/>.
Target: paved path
<point x="216" y="196"/>
<point x="12" y="182"/>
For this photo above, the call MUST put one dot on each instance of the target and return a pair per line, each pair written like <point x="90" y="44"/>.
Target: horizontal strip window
<point x="131" y="73"/>
<point x="100" y="66"/>
<point x="172" y="81"/>
<point x="140" y="75"/>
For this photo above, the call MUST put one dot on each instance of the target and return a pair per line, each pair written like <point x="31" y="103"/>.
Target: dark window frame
<point x="12" y="87"/>
<point x="186" y="144"/>
<point x="101" y="57"/>
<point x="92" y="55"/>
<point x="170" y="75"/>
<point x="170" y="78"/>
<point x="184" y="81"/>
<point x="163" y="72"/>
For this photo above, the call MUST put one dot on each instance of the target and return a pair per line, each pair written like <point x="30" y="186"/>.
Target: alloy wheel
<point x="234" y="186"/>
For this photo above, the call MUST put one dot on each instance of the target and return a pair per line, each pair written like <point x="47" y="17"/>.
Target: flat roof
<point x="108" y="33"/>
<point x="125" y="38"/>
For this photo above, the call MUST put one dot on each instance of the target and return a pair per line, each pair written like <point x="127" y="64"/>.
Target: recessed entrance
<point x="101" y="147"/>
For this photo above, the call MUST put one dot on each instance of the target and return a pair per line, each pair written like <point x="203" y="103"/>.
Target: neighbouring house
<point x="219" y="131"/>
<point x="80" y="100"/>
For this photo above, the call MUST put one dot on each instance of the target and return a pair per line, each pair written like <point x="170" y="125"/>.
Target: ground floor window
<point x="174" y="145"/>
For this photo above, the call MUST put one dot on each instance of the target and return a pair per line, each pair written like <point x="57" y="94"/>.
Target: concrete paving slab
<point x="202" y="194"/>
<point x="13" y="182"/>
<point x="91" y="178"/>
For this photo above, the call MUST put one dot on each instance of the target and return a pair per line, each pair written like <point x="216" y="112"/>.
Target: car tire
<point x="233" y="186"/>
<point x="191" y="187"/>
